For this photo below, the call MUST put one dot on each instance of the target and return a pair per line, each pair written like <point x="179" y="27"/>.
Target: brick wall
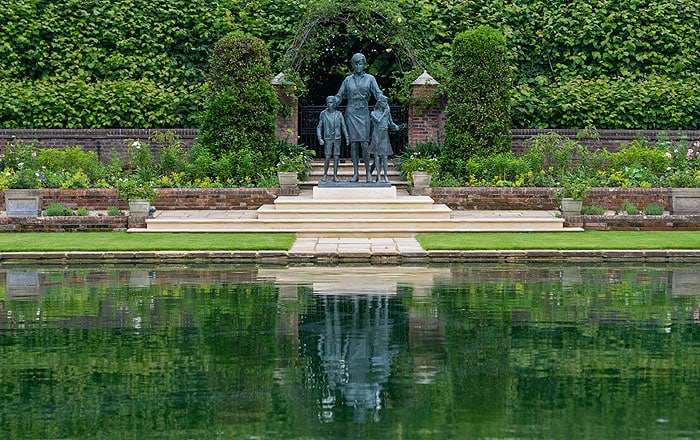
<point x="426" y="123"/>
<point x="100" y="199"/>
<point x="101" y="141"/>
<point x="487" y="198"/>
<point x="426" y="120"/>
<point x="63" y="224"/>
<point x="635" y="222"/>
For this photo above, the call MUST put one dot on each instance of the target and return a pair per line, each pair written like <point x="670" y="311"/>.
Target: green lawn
<point x="589" y="240"/>
<point x="143" y="241"/>
<point x="147" y="241"/>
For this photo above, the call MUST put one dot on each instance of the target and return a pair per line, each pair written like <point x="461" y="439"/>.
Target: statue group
<point x="366" y="133"/>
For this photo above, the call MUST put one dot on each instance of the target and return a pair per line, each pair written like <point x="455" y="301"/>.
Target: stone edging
<point x="285" y="257"/>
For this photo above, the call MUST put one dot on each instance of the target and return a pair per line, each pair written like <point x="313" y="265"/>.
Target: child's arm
<point x="319" y="129"/>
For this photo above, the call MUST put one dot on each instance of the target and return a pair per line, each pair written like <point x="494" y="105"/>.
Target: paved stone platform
<point x="356" y="247"/>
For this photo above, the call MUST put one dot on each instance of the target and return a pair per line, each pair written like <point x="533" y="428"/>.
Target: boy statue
<point x="330" y="131"/>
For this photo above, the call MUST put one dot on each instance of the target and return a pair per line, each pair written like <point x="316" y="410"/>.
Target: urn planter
<point x="570" y="207"/>
<point x="139" y="207"/>
<point x="421" y="180"/>
<point x="23" y="202"/>
<point x="288" y="179"/>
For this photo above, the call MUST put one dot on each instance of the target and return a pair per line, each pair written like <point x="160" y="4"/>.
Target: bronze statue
<point x="330" y="131"/>
<point x="380" y="146"/>
<point x="358" y="87"/>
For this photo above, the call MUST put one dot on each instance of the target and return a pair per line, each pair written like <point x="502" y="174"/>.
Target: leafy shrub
<point x="478" y="109"/>
<point x="592" y="210"/>
<point x="241" y="111"/>
<point x="56" y="209"/>
<point x="629" y="208"/>
<point x="555" y="155"/>
<point x="653" y="209"/>
<point x="424" y="159"/>
<point x="72" y="159"/>
<point x="114" y="211"/>
<point x="82" y="212"/>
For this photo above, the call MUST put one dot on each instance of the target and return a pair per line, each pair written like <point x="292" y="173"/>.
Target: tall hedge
<point x="241" y="111"/>
<point x="478" y="104"/>
<point x="146" y="52"/>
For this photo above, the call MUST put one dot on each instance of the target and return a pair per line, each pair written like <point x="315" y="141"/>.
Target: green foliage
<point x="555" y="155"/>
<point x="293" y="158"/>
<point x="425" y="158"/>
<point x="72" y="159"/>
<point x="78" y="103"/>
<point x="575" y="186"/>
<point x="478" y="109"/>
<point x="629" y="208"/>
<point x="653" y="209"/>
<point x="654" y="102"/>
<point x="114" y="211"/>
<point x="56" y="209"/>
<point x="239" y="122"/>
<point x="82" y="212"/>
<point x="137" y="63"/>
<point x="331" y="31"/>
<point x="592" y="210"/>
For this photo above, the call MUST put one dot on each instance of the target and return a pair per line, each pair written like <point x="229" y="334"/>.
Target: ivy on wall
<point x="160" y="50"/>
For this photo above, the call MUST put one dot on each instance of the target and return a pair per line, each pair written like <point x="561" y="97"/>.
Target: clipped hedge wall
<point x="242" y="107"/>
<point x="478" y="109"/>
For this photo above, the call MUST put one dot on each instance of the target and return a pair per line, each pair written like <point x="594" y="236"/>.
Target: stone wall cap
<point x="424" y="79"/>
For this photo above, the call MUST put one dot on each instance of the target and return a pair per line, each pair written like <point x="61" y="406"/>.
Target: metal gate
<point x="308" y="121"/>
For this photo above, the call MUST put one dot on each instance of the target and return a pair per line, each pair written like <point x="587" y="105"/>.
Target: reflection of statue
<point x="357" y="88"/>
<point x="330" y="131"/>
<point x="380" y="146"/>
<point x="356" y="350"/>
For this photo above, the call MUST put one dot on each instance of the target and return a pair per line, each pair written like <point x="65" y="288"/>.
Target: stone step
<point x="291" y="203"/>
<point x="356" y="227"/>
<point x="434" y="212"/>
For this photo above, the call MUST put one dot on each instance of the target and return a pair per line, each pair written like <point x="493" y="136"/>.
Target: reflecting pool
<point x="463" y="351"/>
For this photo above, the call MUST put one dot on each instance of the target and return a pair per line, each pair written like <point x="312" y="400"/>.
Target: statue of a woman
<point x="358" y="87"/>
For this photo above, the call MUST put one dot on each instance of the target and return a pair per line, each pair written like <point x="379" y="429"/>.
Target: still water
<point x="468" y="351"/>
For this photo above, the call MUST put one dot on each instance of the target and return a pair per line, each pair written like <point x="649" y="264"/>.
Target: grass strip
<point x="588" y="240"/>
<point x="142" y="241"/>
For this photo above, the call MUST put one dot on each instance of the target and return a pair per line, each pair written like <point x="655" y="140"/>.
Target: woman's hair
<point x="358" y="57"/>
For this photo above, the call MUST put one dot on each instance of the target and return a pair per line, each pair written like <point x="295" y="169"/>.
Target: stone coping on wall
<point x="275" y="258"/>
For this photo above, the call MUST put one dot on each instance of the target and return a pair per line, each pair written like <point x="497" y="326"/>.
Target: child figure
<point x="380" y="146"/>
<point x="331" y="128"/>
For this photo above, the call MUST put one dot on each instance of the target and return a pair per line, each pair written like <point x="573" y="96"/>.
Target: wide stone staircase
<point x="360" y="210"/>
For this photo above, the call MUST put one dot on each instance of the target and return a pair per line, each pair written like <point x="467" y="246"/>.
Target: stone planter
<point x="288" y="179"/>
<point x="420" y="179"/>
<point x="23" y="202"/>
<point x="684" y="201"/>
<point x="570" y="207"/>
<point x="139" y="207"/>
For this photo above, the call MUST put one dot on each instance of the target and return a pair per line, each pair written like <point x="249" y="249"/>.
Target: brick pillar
<point x="426" y="119"/>
<point x="287" y="125"/>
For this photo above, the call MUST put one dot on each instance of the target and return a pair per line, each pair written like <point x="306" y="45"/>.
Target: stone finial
<point x="278" y="79"/>
<point x="424" y="79"/>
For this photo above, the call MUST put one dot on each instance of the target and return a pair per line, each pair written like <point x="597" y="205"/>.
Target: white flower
<point x="668" y="154"/>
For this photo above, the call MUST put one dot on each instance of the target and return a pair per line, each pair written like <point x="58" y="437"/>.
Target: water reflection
<point x="334" y="352"/>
